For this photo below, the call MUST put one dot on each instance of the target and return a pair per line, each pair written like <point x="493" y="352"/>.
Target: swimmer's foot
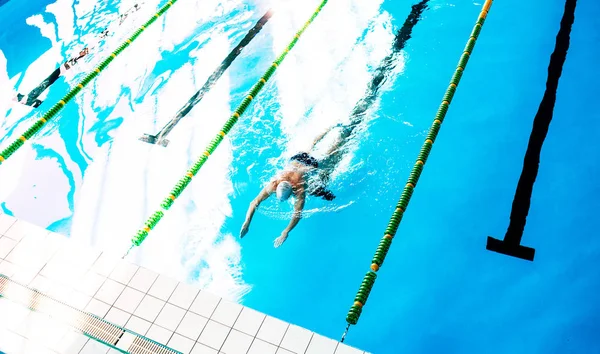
<point x="280" y="240"/>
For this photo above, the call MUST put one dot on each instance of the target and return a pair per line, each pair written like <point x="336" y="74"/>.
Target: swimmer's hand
<point x="281" y="239"/>
<point x="244" y="230"/>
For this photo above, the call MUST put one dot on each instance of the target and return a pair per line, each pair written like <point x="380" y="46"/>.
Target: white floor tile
<point x="129" y="299"/>
<point x="170" y="317"/>
<point x="261" y="347"/>
<point x="321" y="345"/>
<point x="6" y="245"/>
<point x="236" y="343"/>
<point x="22" y="228"/>
<point x="97" y="308"/>
<point x="110" y="291"/>
<point x="12" y="314"/>
<point x="284" y="351"/>
<point x="226" y="312"/>
<point x="32" y="346"/>
<point x="33" y="253"/>
<point x="40" y="283"/>
<point x="138" y="325"/>
<point x="78" y="300"/>
<point x="8" y="269"/>
<point x="203" y="349"/>
<point x="11" y="342"/>
<point x="192" y="325"/>
<point x="214" y="335"/>
<point x="6" y="221"/>
<point x="345" y="349"/>
<point x="94" y="347"/>
<point x="105" y="264"/>
<point x="296" y="339"/>
<point x="184" y="295"/>
<point x="143" y="280"/>
<point x="149" y="308"/>
<point x="90" y="283"/>
<point x="159" y="334"/>
<point x="118" y="317"/>
<point x="24" y="275"/>
<point x="123" y="272"/>
<point x="272" y="330"/>
<point x="181" y="343"/>
<point x="249" y="321"/>
<point x="205" y="304"/>
<point x="71" y="343"/>
<point x="163" y="287"/>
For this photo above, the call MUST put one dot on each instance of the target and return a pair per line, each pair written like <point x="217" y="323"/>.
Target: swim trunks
<point x="305" y="159"/>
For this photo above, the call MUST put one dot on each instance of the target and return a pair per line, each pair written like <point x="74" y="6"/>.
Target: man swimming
<point x="293" y="180"/>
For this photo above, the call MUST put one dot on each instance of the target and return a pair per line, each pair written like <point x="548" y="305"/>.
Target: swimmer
<point x="293" y="180"/>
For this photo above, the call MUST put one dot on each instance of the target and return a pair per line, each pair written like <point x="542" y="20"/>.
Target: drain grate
<point x="89" y="324"/>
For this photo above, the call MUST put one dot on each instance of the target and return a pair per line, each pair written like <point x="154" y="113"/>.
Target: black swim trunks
<point x="305" y="159"/>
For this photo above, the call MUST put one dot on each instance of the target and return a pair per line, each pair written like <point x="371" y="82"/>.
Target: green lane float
<point x="384" y="245"/>
<point x="37" y="126"/>
<point x="185" y="180"/>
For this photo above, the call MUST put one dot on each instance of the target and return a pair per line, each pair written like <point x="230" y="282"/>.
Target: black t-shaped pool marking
<point x="32" y="96"/>
<point x="160" y="138"/>
<point x="511" y="244"/>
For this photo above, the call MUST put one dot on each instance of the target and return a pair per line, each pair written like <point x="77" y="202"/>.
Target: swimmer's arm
<point x="264" y="194"/>
<point x="298" y="207"/>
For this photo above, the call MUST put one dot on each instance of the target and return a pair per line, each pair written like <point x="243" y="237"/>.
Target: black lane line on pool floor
<point x="31" y="99"/>
<point x="371" y="94"/>
<point x="511" y="244"/>
<point x="161" y="137"/>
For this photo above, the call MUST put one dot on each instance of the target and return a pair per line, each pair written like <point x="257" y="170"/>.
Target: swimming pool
<point x="87" y="174"/>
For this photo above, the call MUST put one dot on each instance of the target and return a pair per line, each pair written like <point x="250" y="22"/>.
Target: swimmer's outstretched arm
<point x="264" y="194"/>
<point x="298" y="207"/>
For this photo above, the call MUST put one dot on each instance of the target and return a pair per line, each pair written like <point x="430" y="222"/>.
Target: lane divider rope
<point x="52" y="112"/>
<point x="384" y="245"/>
<point x="187" y="178"/>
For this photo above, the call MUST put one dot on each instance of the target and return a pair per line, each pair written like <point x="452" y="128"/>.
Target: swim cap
<point x="284" y="190"/>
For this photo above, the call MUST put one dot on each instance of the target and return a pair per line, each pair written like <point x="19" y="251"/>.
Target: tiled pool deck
<point x="53" y="275"/>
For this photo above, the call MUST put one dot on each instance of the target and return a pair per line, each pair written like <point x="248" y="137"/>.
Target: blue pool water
<point x="440" y="290"/>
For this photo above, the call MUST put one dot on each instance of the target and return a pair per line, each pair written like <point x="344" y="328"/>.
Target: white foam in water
<point x="127" y="179"/>
<point x="122" y="189"/>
